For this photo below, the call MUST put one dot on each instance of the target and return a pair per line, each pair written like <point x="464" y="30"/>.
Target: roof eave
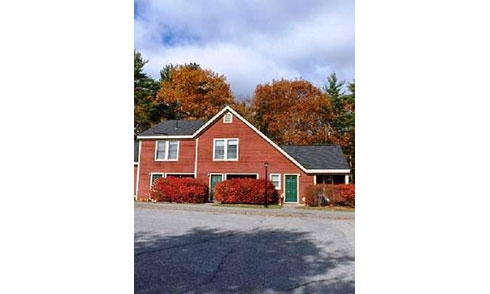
<point x="166" y="137"/>
<point x="328" y="171"/>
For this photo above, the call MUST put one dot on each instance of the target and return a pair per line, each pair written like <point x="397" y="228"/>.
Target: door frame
<point x="297" y="188"/>
<point x="210" y="176"/>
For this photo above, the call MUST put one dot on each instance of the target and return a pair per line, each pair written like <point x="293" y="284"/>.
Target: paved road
<point x="207" y="251"/>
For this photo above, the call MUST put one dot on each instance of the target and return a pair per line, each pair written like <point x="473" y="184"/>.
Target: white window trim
<point x="240" y="174"/>
<point x="279" y="176"/>
<point x="167" y="144"/>
<point x="173" y="174"/>
<point x="226" y="149"/>
<point x="151" y="177"/>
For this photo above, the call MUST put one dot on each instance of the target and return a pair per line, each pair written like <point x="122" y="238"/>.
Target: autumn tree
<point x="147" y="110"/>
<point x="343" y="104"/>
<point x="193" y="92"/>
<point x="293" y="112"/>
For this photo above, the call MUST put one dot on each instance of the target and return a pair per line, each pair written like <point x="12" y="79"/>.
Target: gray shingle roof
<point x="174" y="128"/>
<point x="136" y="148"/>
<point x="318" y="157"/>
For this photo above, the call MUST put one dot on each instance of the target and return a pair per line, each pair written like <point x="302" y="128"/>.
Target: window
<point x="330" y="179"/>
<point x="180" y="176"/>
<point x="167" y="150"/>
<point x="276" y="180"/>
<point x="228" y="118"/>
<point x="154" y="177"/>
<point x="225" y="149"/>
<point x="241" y="176"/>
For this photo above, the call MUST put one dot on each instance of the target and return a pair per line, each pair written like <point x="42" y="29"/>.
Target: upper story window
<point x="166" y="150"/>
<point x="225" y="149"/>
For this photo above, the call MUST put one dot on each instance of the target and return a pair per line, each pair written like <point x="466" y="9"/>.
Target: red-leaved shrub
<point x="248" y="191"/>
<point x="338" y="194"/>
<point x="180" y="190"/>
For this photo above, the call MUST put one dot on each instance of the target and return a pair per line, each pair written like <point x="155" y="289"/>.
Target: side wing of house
<point x="326" y="163"/>
<point x="167" y="150"/>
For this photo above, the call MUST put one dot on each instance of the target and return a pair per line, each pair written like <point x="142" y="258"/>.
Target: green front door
<point x="215" y="179"/>
<point x="291" y="188"/>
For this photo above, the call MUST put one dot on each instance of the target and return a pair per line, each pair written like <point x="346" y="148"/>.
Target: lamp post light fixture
<point x="266" y="165"/>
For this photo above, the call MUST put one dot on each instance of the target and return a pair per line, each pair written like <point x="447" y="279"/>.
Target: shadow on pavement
<point x="263" y="261"/>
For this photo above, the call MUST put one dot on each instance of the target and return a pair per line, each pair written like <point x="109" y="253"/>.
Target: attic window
<point x="228" y="118"/>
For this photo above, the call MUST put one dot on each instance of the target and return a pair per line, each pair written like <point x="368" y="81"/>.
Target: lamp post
<point x="266" y="165"/>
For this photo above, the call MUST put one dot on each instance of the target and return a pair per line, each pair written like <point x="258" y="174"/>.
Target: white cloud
<point x="250" y="42"/>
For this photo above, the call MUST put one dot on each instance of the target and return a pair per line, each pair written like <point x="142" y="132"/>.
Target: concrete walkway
<point x="291" y="210"/>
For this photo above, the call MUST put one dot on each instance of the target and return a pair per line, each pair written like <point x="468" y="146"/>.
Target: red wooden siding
<point x="148" y="165"/>
<point x="253" y="150"/>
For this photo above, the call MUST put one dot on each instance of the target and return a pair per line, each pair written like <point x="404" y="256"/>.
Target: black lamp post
<point x="266" y="165"/>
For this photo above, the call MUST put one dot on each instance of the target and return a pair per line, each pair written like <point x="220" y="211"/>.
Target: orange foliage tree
<point x="293" y="112"/>
<point x="195" y="93"/>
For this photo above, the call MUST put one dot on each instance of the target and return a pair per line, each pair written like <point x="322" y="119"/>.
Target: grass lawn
<point x="257" y="206"/>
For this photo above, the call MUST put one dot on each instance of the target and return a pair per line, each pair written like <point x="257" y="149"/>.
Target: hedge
<point x="246" y="191"/>
<point x="179" y="190"/>
<point x="338" y="194"/>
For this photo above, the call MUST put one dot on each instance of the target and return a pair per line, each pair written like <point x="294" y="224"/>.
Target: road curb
<point x="290" y="211"/>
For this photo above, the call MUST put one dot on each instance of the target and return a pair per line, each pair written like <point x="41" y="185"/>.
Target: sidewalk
<point x="290" y="210"/>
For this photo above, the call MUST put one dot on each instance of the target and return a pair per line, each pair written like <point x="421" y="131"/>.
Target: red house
<point x="228" y="146"/>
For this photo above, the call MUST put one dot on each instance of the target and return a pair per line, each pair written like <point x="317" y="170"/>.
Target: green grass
<point x="257" y="206"/>
<point x="327" y="208"/>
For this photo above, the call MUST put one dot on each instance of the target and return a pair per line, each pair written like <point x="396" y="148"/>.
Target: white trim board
<point x="328" y="171"/>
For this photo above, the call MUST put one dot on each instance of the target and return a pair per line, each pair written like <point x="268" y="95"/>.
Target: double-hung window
<point x="166" y="150"/>
<point x="276" y="180"/>
<point x="154" y="177"/>
<point x="225" y="149"/>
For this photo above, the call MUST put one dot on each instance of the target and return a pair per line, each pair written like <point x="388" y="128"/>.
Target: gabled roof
<point x="193" y="128"/>
<point x="174" y="128"/>
<point x="322" y="157"/>
<point x="136" y="151"/>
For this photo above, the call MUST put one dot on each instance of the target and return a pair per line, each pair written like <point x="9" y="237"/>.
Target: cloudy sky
<point x="251" y="42"/>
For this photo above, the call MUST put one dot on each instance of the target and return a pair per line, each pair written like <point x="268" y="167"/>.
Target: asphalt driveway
<point x="181" y="249"/>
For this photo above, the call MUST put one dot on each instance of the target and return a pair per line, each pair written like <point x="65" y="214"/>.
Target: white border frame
<point x="167" y="145"/>
<point x="226" y="149"/>
<point x="240" y="174"/>
<point x="231" y="118"/>
<point x="138" y="171"/>
<point x="276" y="174"/>
<point x="297" y="187"/>
<point x="155" y="173"/>
<point x="327" y="171"/>
<point x="172" y="174"/>
<point x="209" y="181"/>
